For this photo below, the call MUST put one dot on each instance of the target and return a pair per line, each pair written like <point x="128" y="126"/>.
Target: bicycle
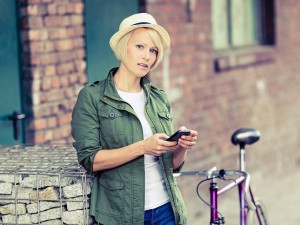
<point x="252" y="210"/>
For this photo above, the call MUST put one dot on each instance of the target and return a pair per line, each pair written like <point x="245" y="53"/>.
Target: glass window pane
<point x="251" y="21"/>
<point x="220" y="27"/>
<point x="243" y="22"/>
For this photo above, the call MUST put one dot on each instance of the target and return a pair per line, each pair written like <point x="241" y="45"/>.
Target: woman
<point x="120" y="126"/>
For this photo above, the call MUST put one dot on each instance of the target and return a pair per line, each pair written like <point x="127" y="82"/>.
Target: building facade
<point x="231" y="64"/>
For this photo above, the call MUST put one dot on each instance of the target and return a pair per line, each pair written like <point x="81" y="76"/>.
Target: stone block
<point x="76" y="190"/>
<point x="5" y="188"/>
<point x="50" y="214"/>
<point x="74" y="217"/>
<point x="49" y="193"/>
<point x="13" y="209"/>
<point x="12" y="219"/>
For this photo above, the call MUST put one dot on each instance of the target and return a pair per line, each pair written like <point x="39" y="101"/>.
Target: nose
<point x="146" y="54"/>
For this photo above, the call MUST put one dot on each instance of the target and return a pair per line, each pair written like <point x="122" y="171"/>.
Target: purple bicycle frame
<point x="215" y="192"/>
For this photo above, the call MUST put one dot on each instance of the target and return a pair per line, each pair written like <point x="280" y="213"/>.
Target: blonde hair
<point x="121" y="47"/>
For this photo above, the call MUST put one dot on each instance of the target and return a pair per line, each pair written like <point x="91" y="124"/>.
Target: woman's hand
<point x="156" y="145"/>
<point x="184" y="143"/>
<point x="187" y="142"/>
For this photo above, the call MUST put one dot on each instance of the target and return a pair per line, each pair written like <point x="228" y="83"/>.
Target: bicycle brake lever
<point x="222" y="174"/>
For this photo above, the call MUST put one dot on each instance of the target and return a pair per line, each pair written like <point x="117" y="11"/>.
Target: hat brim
<point x="161" y="31"/>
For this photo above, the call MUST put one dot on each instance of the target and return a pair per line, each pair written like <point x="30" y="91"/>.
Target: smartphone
<point x="178" y="134"/>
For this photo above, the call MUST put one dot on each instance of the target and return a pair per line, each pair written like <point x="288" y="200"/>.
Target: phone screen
<point x="178" y="134"/>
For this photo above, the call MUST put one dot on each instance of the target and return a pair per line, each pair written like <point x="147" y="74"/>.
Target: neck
<point x="127" y="83"/>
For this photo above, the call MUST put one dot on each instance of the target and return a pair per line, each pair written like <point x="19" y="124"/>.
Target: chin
<point x="143" y="73"/>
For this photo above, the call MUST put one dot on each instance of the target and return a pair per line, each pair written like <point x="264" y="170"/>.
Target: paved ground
<point x="281" y="198"/>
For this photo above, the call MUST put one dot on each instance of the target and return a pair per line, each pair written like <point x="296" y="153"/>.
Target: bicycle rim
<point x="260" y="217"/>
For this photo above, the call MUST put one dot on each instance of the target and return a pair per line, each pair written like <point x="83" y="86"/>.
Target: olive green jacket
<point x="102" y="120"/>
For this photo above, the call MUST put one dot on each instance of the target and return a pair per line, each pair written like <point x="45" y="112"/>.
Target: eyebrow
<point x="136" y="42"/>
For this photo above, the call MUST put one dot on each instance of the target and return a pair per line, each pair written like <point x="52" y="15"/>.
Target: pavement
<point x="282" y="199"/>
<point x="281" y="196"/>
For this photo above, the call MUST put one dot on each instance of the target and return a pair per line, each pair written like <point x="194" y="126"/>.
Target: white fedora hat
<point x="136" y="21"/>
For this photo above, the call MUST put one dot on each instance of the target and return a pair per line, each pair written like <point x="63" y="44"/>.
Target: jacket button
<point x="111" y="115"/>
<point x="104" y="98"/>
<point x="168" y="115"/>
<point x="120" y="106"/>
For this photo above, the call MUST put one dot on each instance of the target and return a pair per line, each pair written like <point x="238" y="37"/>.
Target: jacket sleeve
<point x="85" y="129"/>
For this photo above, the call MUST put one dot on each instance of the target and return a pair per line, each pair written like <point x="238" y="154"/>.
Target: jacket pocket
<point x="165" y="119"/>
<point x="112" y="125"/>
<point x="110" y="197"/>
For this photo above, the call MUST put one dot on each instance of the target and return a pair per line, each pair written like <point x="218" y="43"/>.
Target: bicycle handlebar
<point x="213" y="173"/>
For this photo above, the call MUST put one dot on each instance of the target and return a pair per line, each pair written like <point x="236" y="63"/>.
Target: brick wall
<point x="257" y="87"/>
<point x="53" y="66"/>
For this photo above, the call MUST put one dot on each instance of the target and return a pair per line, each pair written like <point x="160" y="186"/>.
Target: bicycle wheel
<point x="261" y="218"/>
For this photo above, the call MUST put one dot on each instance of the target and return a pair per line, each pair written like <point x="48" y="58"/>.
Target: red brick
<point x="39" y="137"/>
<point x="52" y="9"/>
<point x="76" y="19"/>
<point x="65" y="68"/>
<point x="57" y="134"/>
<point x="75" y="31"/>
<point x="52" y="122"/>
<point x="73" y="79"/>
<point x="83" y="80"/>
<point x="56" y="21"/>
<point x="58" y="33"/>
<point x="50" y="70"/>
<point x="46" y="84"/>
<point x="32" y="22"/>
<point x="64" y="81"/>
<point x="65" y="119"/>
<point x="49" y="46"/>
<point x="69" y="93"/>
<point x="55" y="82"/>
<point x="62" y="9"/>
<point x="39" y="124"/>
<point x="33" y="9"/>
<point x="37" y="47"/>
<point x="63" y="45"/>
<point x="78" y="8"/>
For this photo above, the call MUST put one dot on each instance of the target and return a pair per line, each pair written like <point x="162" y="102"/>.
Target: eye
<point x="153" y="50"/>
<point x="139" y="46"/>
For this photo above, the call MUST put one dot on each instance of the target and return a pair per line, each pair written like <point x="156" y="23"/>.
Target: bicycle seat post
<point x="242" y="157"/>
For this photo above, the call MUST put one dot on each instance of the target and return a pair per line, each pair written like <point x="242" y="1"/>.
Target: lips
<point x="143" y="65"/>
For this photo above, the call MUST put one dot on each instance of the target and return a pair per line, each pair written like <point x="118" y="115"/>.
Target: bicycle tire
<point x="252" y="218"/>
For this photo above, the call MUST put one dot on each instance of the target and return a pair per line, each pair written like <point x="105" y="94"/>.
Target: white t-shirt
<point x="155" y="188"/>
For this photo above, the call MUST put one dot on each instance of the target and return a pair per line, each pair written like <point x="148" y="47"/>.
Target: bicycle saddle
<point x="245" y="136"/>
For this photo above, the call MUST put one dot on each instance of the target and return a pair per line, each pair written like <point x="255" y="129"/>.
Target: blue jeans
<point x="162" y="215"/>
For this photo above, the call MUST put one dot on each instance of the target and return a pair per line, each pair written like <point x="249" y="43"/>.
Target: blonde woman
<point x="120" y="126"/>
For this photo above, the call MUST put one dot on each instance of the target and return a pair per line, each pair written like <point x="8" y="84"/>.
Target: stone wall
<point x="43" y="185"/>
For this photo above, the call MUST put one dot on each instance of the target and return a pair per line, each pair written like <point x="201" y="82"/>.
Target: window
<point x="243" y="23"/>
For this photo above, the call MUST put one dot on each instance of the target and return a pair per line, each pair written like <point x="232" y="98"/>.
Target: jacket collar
<point x="111" y="91"/>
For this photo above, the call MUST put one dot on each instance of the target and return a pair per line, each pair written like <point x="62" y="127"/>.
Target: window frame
<point x="257" y="53"/>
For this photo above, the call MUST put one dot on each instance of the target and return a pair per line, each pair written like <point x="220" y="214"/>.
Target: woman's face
<point x="141" y="53"/>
